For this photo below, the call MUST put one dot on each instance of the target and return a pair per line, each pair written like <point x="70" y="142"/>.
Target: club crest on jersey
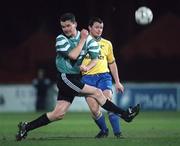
<point x="102" y="46"/>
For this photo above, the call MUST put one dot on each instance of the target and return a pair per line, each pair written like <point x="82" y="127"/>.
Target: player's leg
<point x="113" y="118"/>
<point x="98" y="117"/>
<point x="62" y="105"/>
<point x="115" y="124"/>
<point x="105" y="83"/>
<point x="127" y="115"/>
<point x="57" y="114"/>
<point x="91" y="90"/>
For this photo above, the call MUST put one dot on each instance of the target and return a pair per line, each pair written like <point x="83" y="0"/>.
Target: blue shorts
<point x="102" y="81"/>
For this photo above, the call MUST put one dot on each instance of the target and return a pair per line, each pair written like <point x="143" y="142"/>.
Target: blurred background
<point x="144" y="54"/>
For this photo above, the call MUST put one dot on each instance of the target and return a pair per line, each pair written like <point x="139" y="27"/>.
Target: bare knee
<point x="100" y="97"/>
<point x="98" y="93"/>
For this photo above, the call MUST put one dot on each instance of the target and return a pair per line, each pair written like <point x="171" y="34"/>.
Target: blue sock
<point x="115" y="122"/>
<point x="100" y="122"/>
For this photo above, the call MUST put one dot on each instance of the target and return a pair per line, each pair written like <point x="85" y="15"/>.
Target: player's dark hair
<point x="94" y="19"/>
<point x="68" y="16"/>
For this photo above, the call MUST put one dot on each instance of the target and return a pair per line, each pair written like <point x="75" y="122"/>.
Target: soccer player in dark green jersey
<point x="71" y="48"/>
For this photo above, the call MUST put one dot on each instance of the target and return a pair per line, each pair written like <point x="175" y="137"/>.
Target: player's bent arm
<point x="92" y="63"/>
<point x="74" y="53"/>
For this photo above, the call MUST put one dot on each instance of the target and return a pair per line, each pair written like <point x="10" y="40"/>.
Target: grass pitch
<point x="78" y="129"/>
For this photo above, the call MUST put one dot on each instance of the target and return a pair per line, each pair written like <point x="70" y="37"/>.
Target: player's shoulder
<point x="89" y="38"/>
<point x="106" y="41"/>
<point x="60" y="37"/>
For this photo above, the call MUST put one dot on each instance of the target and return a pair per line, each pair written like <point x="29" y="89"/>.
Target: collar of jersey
<point x="98" y="38"/>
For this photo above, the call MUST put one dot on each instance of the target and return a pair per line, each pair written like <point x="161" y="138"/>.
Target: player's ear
<point x="75" y="23"/>
<point x="89" y="27"/>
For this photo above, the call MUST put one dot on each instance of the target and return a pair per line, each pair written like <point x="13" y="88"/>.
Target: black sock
<point x="41" y="121"/>
<point x="109" y="106"/>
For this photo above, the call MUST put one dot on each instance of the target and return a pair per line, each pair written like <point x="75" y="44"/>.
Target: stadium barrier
<point x="17" y="98"/>
<point x="151" y="96"/>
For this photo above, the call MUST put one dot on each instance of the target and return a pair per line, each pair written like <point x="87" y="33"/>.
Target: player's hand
<point x="84" y="34"/>
<point x="83" y="68"/>
<point x="119" y="87"/>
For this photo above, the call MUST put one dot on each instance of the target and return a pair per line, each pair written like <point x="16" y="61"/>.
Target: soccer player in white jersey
<point x="71" y="48"/>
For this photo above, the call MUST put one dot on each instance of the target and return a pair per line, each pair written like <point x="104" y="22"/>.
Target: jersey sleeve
<point x="62" y="45"/>
<point x="110" y="56"/>
<point x="93" y="48"/>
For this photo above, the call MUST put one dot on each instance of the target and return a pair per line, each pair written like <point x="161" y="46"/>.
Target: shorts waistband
<point x="96" y="74"/>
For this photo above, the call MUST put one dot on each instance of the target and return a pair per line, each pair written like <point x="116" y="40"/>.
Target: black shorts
<point x="69" y="86"/>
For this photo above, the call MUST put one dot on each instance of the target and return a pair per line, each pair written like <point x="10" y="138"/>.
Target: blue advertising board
<point x="150" y="97"/>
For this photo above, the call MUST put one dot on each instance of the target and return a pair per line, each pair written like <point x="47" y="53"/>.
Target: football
<point x="143" y="15"/>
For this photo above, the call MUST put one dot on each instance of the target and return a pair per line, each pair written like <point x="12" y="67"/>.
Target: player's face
<point x="96" y="29"/>
<point x="69" y="28"/>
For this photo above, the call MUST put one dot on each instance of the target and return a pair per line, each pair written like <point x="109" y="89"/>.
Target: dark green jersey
<point x="64" y="45"/>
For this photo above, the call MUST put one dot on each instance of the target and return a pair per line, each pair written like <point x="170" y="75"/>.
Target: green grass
<point x="78" y="129"/>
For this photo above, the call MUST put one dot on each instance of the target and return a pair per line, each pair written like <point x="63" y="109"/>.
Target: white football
<point x="143" y="15"/>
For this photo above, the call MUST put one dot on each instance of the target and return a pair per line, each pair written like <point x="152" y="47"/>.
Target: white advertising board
<point x="15" y="98"/>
